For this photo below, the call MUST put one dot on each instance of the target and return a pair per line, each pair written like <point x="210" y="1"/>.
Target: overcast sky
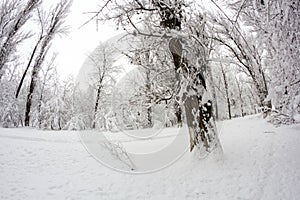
<point x="74" y="47"/>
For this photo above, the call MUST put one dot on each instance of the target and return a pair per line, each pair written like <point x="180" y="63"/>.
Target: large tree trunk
<point x="189" y="74"/>
<point x="201" y="128"/>
<point x="195" y="122"/>
<point x="261" y="88"/>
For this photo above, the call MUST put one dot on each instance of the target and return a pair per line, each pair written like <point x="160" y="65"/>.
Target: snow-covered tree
<point x="51" y="24"/>
<point x="246" y="53"/>
<point x="13" y="15"/>
<point x="10" y="108"/>
<point x="275" y="25"/>
<point x="156" y="73"/>
<point x="188" y="48"/>
<point x="102" y="76"/>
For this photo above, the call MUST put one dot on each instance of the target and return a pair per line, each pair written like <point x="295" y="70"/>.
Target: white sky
<point x="74" y="47"/>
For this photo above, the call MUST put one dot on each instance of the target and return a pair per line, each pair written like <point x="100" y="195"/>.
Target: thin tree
<point x="33" y="53"/>
<point x="47" y="75"/>
<point x="240" y="94"/>
<point x="52" y="25"/>
<point x="226" y="90"/>
<point x="12" y="19"/>
<point x="102" y="75"/>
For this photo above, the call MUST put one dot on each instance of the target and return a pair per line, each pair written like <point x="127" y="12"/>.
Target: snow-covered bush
<point x="111" y="121"/>
<point x="10" y="109"/>
<point x="10" y="116"/>
<point x="100" y="121"/>
<point x="296" y="105"/>
<point x="280" y="118"/>
<point x="76" y="123"/>
<point x="52" y="114"/>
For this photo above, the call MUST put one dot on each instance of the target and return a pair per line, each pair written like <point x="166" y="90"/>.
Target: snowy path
<point x="260" y="162"/>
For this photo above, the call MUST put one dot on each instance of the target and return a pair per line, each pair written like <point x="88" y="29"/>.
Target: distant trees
<point x="188" y="62"/>
<point x="47" y="82"/>
<point x="235" y="93"/>
<point x="157" y="74"/>
<point x="102" y="76"/>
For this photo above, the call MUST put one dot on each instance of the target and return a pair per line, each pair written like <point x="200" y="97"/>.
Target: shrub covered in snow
<point x="278" y="119"/>
<point x="76" y="123"/>
<point x="10" y="116"/>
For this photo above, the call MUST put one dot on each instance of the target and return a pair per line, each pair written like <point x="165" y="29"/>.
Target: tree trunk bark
<point x="240" y="96"/>
<point x="148" y="98"/>
<point x="34" y="76"/>
<point x="191" y="80"/>
<point x="29" y="96"/>
<point x="214" y="94"/>
<point x="199" y="130"/>
<point x="178" y="114"/>
<point x="27" y="67"/>
<point x="96" y="105"/>
<point x="195" y="122"/>
<point x="226" y="92"/>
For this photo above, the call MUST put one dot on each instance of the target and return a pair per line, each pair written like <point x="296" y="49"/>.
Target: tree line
<point x="194" y="63"/>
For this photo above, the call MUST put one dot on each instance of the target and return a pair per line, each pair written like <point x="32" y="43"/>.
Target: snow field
<point x="259" y="162"/>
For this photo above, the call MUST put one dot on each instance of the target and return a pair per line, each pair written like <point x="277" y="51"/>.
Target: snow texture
<point x="259" y="162"/>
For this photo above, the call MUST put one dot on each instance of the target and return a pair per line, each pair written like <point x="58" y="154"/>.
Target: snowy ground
<point x="259" y="162"/>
